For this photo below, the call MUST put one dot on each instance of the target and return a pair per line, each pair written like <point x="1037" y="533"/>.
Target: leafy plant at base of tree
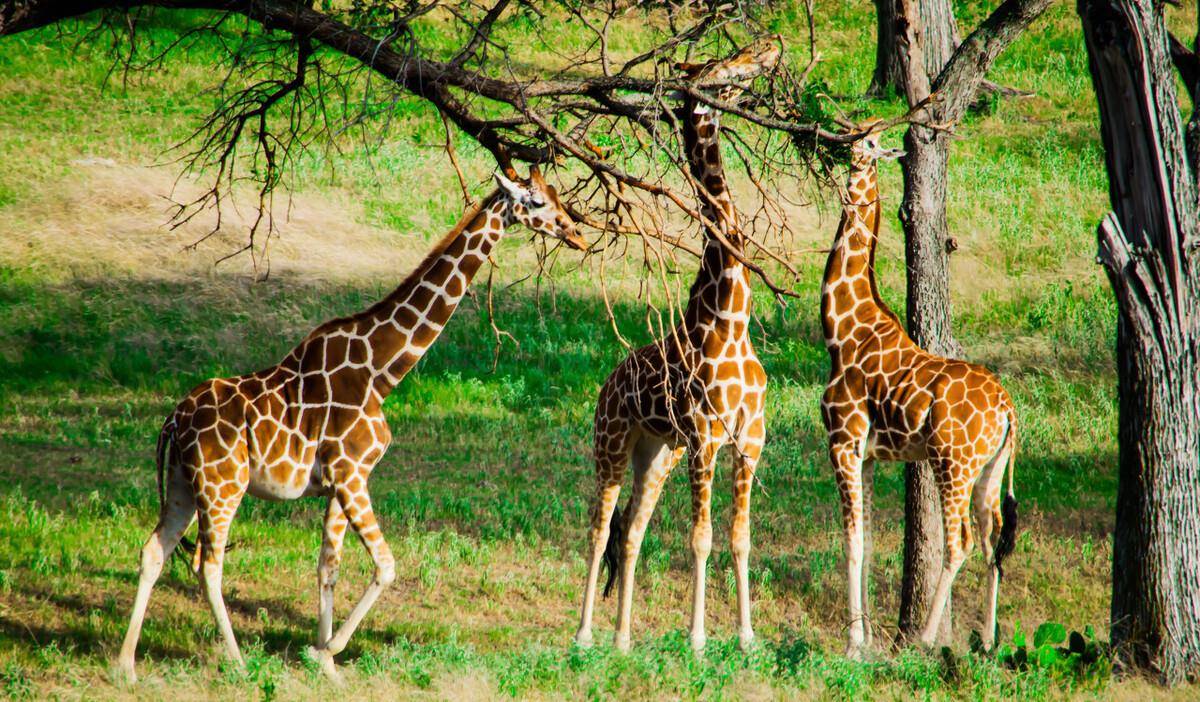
<point x="1084" y="657"/>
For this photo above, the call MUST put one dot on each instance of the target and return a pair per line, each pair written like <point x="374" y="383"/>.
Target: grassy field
<point x="106" y="320"/>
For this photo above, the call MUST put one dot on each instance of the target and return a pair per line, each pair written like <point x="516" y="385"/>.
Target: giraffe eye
<point x="536" y="203"/>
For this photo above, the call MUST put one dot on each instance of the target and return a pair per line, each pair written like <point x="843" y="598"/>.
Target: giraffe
<point x="312" y="425"/>
<point x="697" y="389"/>
<point x="888" y="399"/>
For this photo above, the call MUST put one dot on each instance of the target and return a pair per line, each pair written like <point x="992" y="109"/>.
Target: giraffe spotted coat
<point x="888" y="399"/>
<point x="698" y="389"/>
<point x="313" y="423"/>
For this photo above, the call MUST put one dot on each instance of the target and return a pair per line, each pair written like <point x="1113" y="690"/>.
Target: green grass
<point x="485" y="491"/>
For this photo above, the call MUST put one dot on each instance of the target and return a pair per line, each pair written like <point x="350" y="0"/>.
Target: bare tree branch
<point x="610" y="115"/>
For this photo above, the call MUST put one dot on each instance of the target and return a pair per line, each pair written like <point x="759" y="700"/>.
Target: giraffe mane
<point x="883" y="306"/>
<point x="438" y="249"/>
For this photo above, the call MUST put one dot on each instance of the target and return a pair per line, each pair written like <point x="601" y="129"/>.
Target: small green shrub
<point x="1084" y="657"/>
<point x="15" y="682"/>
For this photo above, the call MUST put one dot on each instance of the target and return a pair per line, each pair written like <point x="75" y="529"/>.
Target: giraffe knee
<point x="956" y="554"/>
<point x="740" y="546"/>
<point x="152" y="555"/>
<point x="327" y="570"/>
<point x="968" y="539"/>
<point x="997" y="525"/>
<point x="385" y="572"/>
<point x="739" y="540"/>
<point x="598" y="538"/>
<point x="210" y="575"/>
<point x="632" y="546"/>
<point x="702" y="540"/>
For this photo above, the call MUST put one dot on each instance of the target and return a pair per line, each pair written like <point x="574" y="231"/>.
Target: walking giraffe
<point x="313" y="425"/>
<point x="698" y="389"/>
<point x="889" y="399"/>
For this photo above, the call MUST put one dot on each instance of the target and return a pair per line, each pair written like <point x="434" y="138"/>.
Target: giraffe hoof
<point x="324" y="659"/>
<point x="926" y="645"/>
<point x="747" y="642"/>
<point x="583" y="639"/>
<point x="698" y="643"/>
<point x="854" y="651"/>
<point x="622" y="644"/>
<point x="123" y="673"/>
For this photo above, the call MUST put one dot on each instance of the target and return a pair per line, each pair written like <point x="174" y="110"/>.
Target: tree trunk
<point x="1148" y="245"/>
<point x="923" y="216"/>
<point x="927" y="247"/>
<point x="927" y="241"/>
<point x="939" y="40"/>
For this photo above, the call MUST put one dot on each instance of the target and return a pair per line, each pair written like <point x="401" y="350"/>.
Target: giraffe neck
<point x="401" y="327"/>
<point x="849" y="293"/>
<point x="719" y="301"/>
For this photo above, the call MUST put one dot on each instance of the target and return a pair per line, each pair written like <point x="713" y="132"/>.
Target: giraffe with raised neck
<point x="697" y="389"/>
<point x="312" y="425"/>
<point x="888" y="399"/>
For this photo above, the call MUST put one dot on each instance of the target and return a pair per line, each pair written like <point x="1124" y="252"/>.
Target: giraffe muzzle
<point x="572" y="239"/>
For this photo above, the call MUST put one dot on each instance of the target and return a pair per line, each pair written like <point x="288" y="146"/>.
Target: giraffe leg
<point x="216" y="515"/>
<point x="327" y="574"/>
<point x="868" y="513"/>
<point x="196" y="561"/>
<point x="739" y="528"/>
<point x="175" y="516"/>
<point x="357" y="505"/>
<point x="986" y="500"/>
<point x="956" y="526"/>
<point x="613" y="443"/>
<point x="848" y="466"/>
<point x="700" y="473"/>
<point x="652" y="462"/>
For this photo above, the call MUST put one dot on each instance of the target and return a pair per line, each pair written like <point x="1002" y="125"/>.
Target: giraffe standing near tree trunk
<point x="888" y="399"/>
<point x="698" y="389"/>
<point x="313" y="424"/>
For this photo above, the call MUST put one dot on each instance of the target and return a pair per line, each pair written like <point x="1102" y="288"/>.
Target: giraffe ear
<point x="514" y="189"/>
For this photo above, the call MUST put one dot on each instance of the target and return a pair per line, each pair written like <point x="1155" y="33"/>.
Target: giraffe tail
<point x="613" y="549"/>
<point x="165" y="440"/>
<point x="1008" y="509"/>
<point x="162" y="457"/>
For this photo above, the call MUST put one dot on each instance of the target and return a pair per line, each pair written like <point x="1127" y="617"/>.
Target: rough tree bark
<point x="927" y="248"/>
<point x="1187" y="62"/>
<point x="923" y="218"/>
<point x="1149" y="248"/>
<point x="939" y="41"/>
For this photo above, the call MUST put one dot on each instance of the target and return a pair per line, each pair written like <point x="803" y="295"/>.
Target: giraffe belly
<point x="894" y="446"/>
<point x="282" y="481"/>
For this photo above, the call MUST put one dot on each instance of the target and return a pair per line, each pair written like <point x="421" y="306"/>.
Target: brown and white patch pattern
<point x="313" y="424"/>
<point x="698" y="389"/>
<point x="888" y="399"/>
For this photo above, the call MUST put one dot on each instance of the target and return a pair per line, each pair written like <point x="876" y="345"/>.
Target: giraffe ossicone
<point x="888" y="399"/>
<point x="312" y="425"/>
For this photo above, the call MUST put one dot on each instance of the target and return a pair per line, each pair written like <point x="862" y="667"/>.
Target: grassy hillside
<point x="106" y="319"/>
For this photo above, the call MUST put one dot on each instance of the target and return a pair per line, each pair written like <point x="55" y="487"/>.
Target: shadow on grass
<point x="167" y="336"/>
<point x="91" y="367"/>
<point x="83" y="621"/>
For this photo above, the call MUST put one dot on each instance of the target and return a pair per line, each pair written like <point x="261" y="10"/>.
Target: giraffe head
<point x="867" y="150"/>
<point x="757" y="58"/>
<point x="534" y="203"/>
